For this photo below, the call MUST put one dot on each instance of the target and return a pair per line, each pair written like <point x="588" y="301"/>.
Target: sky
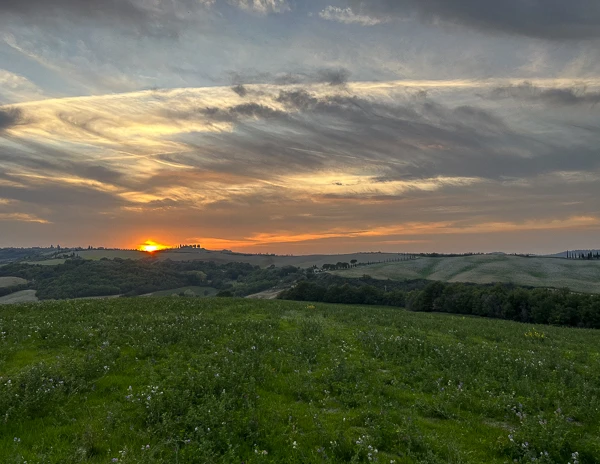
<point x="301" y="126"/>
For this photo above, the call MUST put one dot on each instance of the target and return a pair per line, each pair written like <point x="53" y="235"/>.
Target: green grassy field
<point x="189" y="291"/>
<point x="11" y="281"/>
<point x="24" y="296"/>
<point x="47" y="262"/>
<point x="579" y="276"/>
<point x="170" y="380"/>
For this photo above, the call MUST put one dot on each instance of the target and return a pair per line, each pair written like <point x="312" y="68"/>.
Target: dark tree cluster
<point x="78" y="278"/>
<point x="501" y="301"/>
<point x="579" y="254"/>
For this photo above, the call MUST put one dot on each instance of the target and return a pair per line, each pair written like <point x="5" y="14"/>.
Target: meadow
<point x="11" y="281"/>
<point x="23" y="296"/>
<point x="186" y="291"/>
<point x="178" y="380"/>
<point x="578" y="275"/>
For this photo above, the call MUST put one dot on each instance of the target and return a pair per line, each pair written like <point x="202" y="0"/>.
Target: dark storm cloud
<point x="9" y="117"/>
<point x="553" y="96"/>
<point x="549" y="19"/>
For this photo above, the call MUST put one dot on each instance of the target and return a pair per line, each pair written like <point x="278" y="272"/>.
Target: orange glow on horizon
<point x="150" y="246"/>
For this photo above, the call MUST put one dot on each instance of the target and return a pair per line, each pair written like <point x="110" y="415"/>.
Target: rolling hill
<point x="224" y="257"/>
<point x="579" y="276"/>
<point x="11" y="281"/>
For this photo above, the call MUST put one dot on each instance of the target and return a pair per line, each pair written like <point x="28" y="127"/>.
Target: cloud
<point x="333" y="77"/>
<point x="327" y="75"/>
<point x="147" y="17"/>
<point x="347" y="16"/>
<point x="548" y="96"/>
<point x="9" y="117"/>
<point x="240" y="90"/>
<point x="16" y="88"/>
<point x="22" y="217"/>
<point x="262" y="6"/>
<point x="548" y="19"/>
<point x="138" y="14"/>
<point x="298" y="99"/>
<point x="301" y="160"/>
<point x="227" y="114"/>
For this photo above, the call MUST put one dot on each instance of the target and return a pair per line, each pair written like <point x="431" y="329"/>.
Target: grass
<point x="11" y="281"/>
<point x="580" y="276"/>
<point x="47" y="262"/>
<point x="112" y="254"/>
<point x="191" y="254"/>
<point x="164" y="380"/>
<point x="24" y="296"/>
<point x="188" y="291"/>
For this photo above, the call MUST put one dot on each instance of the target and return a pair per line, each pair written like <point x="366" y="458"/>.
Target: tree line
<point x="79" y="278"/>
<point x="501" y="301"/>
<point x="589" y="255"/>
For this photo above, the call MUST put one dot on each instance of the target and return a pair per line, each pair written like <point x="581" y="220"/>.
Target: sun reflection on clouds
<point x="403" y="167"/>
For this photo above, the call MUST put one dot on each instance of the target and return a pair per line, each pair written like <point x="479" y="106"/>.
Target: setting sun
<point x="151" y="246"/>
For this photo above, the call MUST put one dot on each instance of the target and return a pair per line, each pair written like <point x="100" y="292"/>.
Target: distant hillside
<point x="224" y="257"/>
<point x="578" y="275"/>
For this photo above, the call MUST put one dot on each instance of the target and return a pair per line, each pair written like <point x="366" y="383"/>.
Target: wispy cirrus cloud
<point x="262" y="6"/>
<point x="141" y="17"/>
<point x="347" y="16"/>
<point x="17" y="88"/>
<point x="299" y="158"/>
<point x="556" y="96"/>
<point x="22" y="217"/>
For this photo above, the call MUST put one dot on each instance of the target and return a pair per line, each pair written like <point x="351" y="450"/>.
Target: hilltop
<point x="53" y="256"/>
